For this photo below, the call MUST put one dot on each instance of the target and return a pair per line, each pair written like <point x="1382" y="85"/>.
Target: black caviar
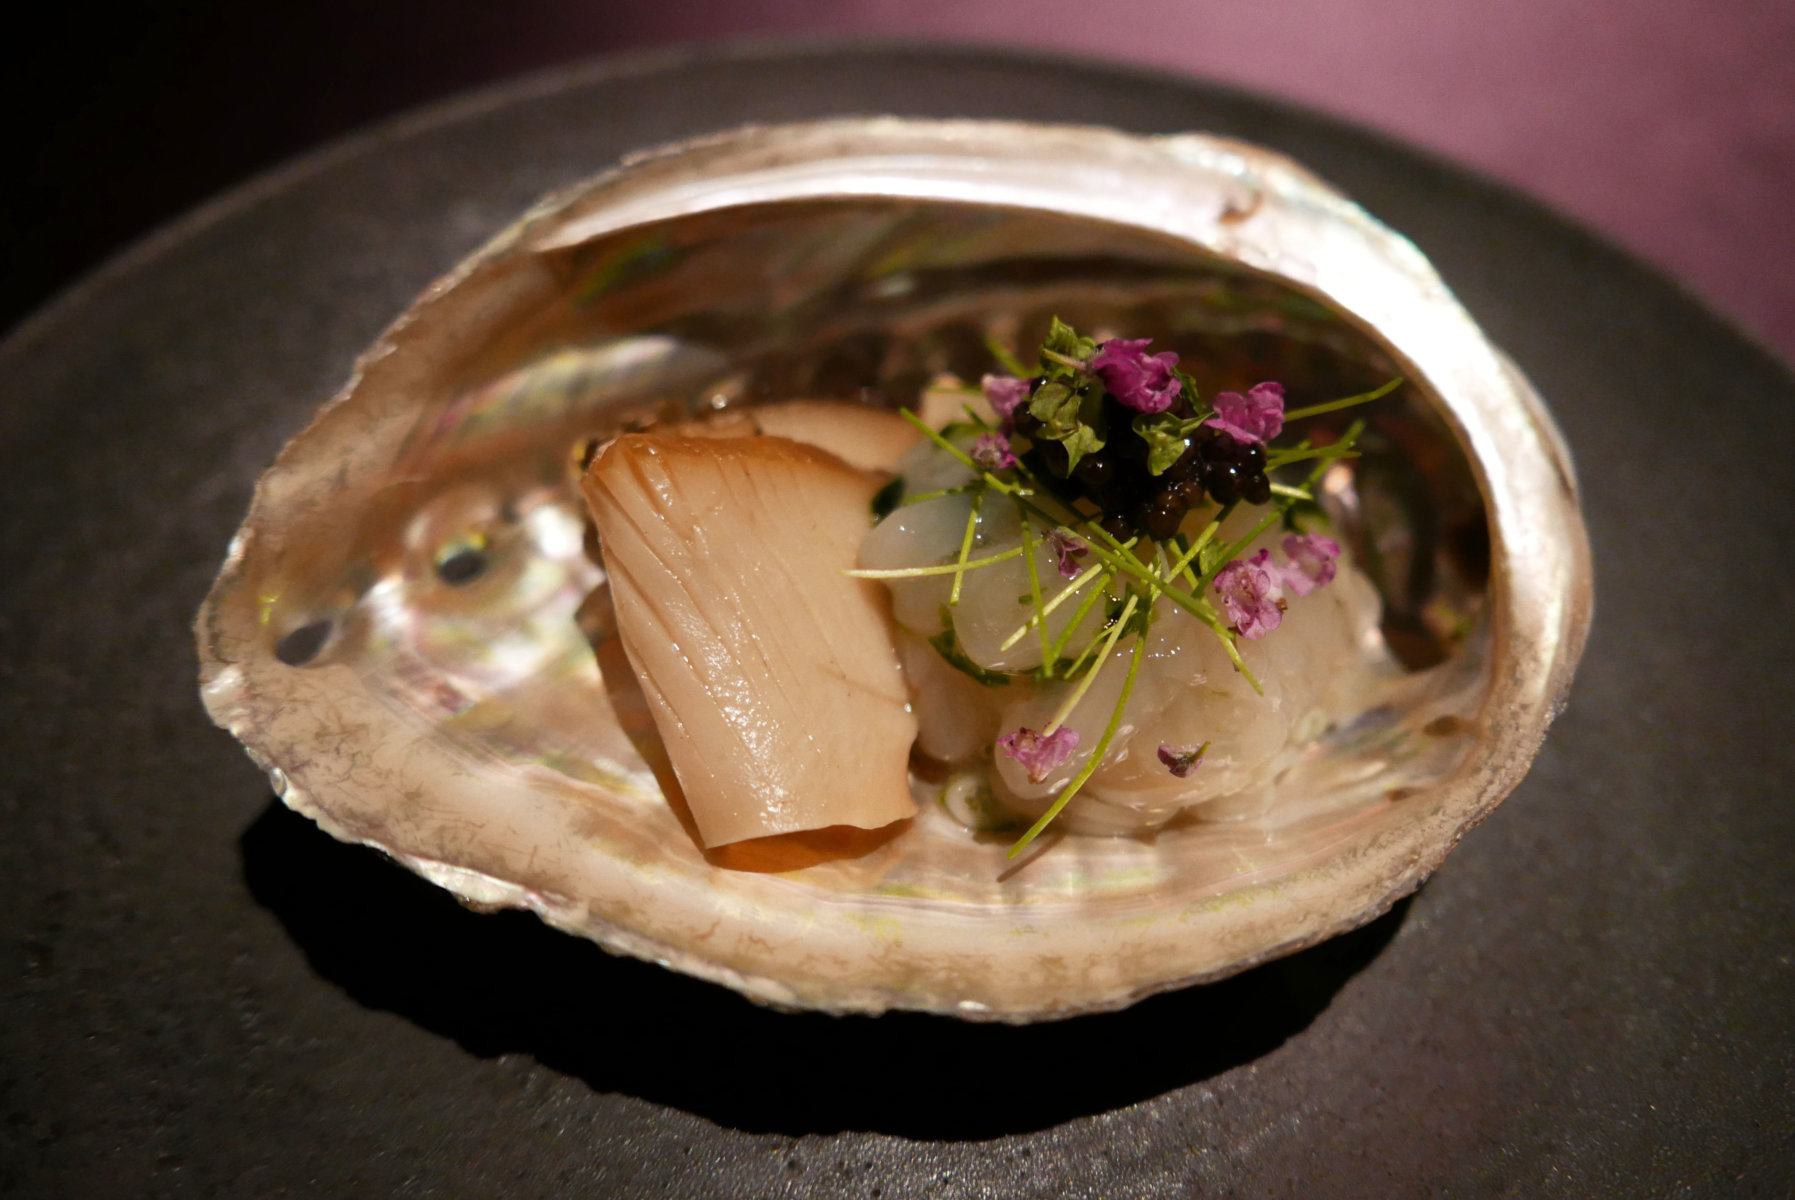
<point x="1116" y="479"/>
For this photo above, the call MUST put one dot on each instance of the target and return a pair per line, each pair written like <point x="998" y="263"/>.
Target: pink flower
<point x="1182" y="760"/>
<point x="1142" y="381"/>
<point x="1005" y="393"/>
<point x="1253" y="419"/>
<point x="1250" y="595"/>
<point x="992" y="452"/>
<point x="1311" y="562"/>
<point x="1039" y="753"/>
<point x="1067" y="550"/>
<point x="1252" y="592"/>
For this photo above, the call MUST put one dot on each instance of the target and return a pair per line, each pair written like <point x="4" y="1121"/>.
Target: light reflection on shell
<point x="394" y="634"/>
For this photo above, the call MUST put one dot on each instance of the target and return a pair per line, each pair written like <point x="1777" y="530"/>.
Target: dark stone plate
<point x="205" y="995"/>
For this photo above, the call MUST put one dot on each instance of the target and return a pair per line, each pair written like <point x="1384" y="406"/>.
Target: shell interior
<point x="397" y="638"/>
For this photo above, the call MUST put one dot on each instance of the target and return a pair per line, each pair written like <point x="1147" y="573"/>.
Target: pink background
<point x="1668" y="125"/>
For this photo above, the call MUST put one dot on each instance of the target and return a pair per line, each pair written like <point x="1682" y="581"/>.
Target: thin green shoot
<point x="1204" y="613"/>
<point x="1233" y="551"/>
<point x="1181" y="564"/>
<point x="1070" y="590"/>
<point x="1161" y="564"/>
<point x="1105" y="535"/>
<point x="1078" y="664"/>
<point x="1226" y="636"/>
<point x="1034" y="588"/>
<point x="1122" y="558"/>
<point x="973" y="418"/>
<point x="1084" y="685"/>
<point x="965" y="460"/>
<point x="942" y="493"/>
<point x="1078" y="616"/>
<point x="1006" y="358"/>
<point x="1096" y="759"/>
<point x="1304" y="453"/>
<point x="972" y="527"/>
<point x="1130" y="565"/>
<point x="1315" y="410"/>
<point x="952" y="568"/>
<point x="1203" y="539"/>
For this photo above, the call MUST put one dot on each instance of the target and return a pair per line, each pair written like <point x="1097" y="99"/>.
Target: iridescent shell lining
<point x="394" y="637"/>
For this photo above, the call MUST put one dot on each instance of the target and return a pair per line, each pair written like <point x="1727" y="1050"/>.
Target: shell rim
<point x="1496" y="779"/>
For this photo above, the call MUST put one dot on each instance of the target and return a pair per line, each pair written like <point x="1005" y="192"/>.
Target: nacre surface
<point x="395" y="634"/>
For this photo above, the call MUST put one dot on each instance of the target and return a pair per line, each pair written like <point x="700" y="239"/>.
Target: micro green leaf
<point x="1071" y="416"/>
<point x="1055" y="405"/>
<point x="1192" y="393"/>
<point x="1065" y="342"/>
<point x="1165" y="438"/>
<point x="1080" y="442"/>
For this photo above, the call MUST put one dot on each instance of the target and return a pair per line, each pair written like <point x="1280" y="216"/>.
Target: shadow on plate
<point x="506" y="983"/>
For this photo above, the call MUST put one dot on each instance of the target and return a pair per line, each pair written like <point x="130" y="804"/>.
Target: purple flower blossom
<point x="1311" y="562"/>
<point x="1253" y="419"/>
<point x="1250" y="595"/>
<point x="1182" y="760"/>
<point x="1006" y="393"/>
<point x="1067" y="550"/>
<point x="1039" y="753"/>
<point x="1142" y="381"/>
<point x="1252" y="592"/>
<point x="992" y="452"/>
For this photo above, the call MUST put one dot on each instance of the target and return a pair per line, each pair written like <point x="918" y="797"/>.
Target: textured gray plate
<point x="203" y="994"/>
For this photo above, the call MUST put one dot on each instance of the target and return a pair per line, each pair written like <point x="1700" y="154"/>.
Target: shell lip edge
<point x="1563" y="647"/>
